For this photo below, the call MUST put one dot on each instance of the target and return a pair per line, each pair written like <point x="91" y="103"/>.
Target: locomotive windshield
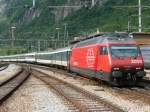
<point x="124" y="50"/>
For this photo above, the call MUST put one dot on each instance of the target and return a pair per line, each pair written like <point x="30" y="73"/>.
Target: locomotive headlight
<point x="116" y="68"/>
<point x="138" y="68"/>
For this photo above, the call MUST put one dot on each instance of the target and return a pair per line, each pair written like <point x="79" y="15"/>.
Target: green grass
<point x="11" y="51"/>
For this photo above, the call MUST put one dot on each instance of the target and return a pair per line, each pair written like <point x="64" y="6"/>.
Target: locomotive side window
<point x="103" y="50"/>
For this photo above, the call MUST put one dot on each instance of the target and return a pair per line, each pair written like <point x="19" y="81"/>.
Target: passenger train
<point x="115" y="58"/>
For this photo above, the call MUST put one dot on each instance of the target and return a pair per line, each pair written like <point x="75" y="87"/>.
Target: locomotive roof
<point x="118" y="37"/>
<point x="109" y="37"/>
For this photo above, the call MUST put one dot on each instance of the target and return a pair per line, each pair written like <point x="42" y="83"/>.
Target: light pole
<point x="57" y="40"/>
<point x="140" y="18"/>
<point x="65" y="31"/>
<point x="12" y="35"/>
<point x="33" y="3"/>
<point x="65" y="34"/>
<point x="58" y="33"/>
<point x="129" y="23"/>
<point x="39" y="45"/>
<point x="93" y="3"/>
<point x="52" y="41"/>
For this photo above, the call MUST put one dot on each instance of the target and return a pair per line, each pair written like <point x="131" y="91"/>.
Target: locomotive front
<point x="127" y="65"/>
<point x="113" y="57"/>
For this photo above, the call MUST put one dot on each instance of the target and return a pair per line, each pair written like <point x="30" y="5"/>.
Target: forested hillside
<point x="43" y="22"/>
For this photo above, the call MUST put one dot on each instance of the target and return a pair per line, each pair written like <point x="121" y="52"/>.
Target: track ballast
<point x="8" y="87"/>
<point x="82" y="100"/>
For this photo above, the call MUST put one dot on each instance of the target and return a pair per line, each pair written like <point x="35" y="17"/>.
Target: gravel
<point x="34" y="96"/>
<point x="9" y="72"/>
<point x="129" y="105"/>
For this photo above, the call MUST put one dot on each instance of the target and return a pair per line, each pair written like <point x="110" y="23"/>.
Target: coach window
<point x="103" y="50"/>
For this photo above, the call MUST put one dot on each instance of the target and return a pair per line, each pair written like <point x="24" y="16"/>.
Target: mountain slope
<point x="41" y="22"/>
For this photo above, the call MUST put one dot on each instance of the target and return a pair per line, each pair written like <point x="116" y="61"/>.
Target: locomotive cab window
<point x="103" y="50"/>
<point x="125" y="51"/>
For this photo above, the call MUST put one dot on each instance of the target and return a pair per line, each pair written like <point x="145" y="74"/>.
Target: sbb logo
<point x="90" y="57"/>
<point x="136" y="61"/>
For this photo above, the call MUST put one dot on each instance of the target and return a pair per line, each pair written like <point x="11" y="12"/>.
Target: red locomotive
<point x="115" y="58"/>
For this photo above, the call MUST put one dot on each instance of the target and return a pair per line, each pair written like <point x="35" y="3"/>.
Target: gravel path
<point x="34" y="96"/>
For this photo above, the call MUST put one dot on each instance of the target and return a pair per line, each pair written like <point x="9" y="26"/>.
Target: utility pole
<point x="140" y="16"/>
<point x="93" y="3"/>
<point x="65" y="31"/>
<point x="39" y="45"/>
<point x="58" y="35"/>
<point x="33" y="3"/>
<point x="67" y="38"/>
<point x="65" y="34"/>
<point x="129" y="23"/>
<point x="12" y="35"/>
<point x="139" y="6"/>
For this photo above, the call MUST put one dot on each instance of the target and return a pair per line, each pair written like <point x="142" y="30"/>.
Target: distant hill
<point x="40" y="22"/>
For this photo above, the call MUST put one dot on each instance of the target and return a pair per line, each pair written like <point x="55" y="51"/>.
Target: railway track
<point x="82" y="100"/>
<point x="141" y="95"/>
<point x="141" y="92"/>
<point x="145" y="83"/>
<point x="8" y="87"/>
<point x="3" y="67"/>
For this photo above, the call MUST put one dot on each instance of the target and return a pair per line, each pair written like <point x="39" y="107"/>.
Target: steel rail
<point x="7" y="88"/>
<point x="82" y="99"/>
